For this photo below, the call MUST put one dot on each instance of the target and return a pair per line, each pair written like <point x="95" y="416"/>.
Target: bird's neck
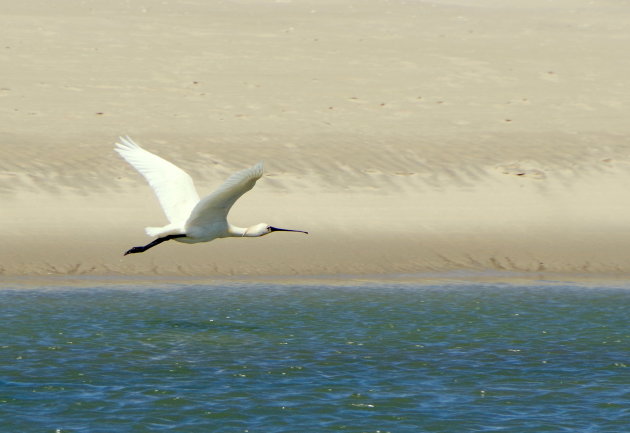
<point x="239" y="231"/>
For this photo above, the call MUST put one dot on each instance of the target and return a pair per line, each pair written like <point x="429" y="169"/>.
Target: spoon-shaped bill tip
<point x="276" y="229"/>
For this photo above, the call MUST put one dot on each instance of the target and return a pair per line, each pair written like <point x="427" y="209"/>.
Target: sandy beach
<point x="407" y="137"/>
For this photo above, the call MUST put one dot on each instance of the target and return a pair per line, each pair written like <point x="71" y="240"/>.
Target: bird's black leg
<point x="152" y="244"/>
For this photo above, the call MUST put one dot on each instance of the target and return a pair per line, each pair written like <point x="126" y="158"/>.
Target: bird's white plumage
<point x="173" y="187"/>
<point x="201" y="220"/>
<point x="212" y="210"/>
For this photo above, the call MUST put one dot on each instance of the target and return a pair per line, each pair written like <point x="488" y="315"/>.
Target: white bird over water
<point x="191" y="219"/>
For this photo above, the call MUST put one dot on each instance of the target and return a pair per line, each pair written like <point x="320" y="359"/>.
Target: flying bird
<point x="192" y="220"/>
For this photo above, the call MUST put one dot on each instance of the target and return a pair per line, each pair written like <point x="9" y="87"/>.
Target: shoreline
<point x="452" y="278"/>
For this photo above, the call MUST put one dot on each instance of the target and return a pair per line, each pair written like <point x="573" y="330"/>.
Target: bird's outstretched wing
<point x="173" y="187"/>
<point x="215" y="207"/>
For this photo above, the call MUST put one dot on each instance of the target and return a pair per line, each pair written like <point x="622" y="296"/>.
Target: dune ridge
<point x="377" y="214"/>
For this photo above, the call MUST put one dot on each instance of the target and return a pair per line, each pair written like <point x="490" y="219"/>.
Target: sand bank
<point x="405" y="136"/>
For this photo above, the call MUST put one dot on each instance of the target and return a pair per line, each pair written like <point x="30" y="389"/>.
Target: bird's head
<point x="263" y="229"/>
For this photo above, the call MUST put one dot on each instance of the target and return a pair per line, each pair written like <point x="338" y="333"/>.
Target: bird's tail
<point x="170" y="229"/>
<point x="153" y="231"/>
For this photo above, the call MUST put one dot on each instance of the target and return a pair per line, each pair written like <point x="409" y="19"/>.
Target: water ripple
<point x="295" y="359"/>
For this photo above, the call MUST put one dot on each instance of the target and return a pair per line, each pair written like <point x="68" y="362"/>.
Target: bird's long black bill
<point x="276" y="229"/>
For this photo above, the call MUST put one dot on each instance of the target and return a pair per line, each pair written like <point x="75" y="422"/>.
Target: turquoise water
<point x="266" y="358"/>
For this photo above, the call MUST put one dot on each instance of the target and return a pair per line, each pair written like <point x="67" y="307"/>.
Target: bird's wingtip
<point x="260" y="167"/>
<point x="125" y="142"/>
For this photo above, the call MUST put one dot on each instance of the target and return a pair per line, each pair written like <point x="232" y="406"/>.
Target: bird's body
<point x="191" y="219"/>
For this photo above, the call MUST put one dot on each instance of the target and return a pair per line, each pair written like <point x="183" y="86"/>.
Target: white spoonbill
<point x="191" y="220"/>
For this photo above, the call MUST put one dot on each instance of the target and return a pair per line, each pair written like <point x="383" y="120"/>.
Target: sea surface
<point x="271" y="358"/>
